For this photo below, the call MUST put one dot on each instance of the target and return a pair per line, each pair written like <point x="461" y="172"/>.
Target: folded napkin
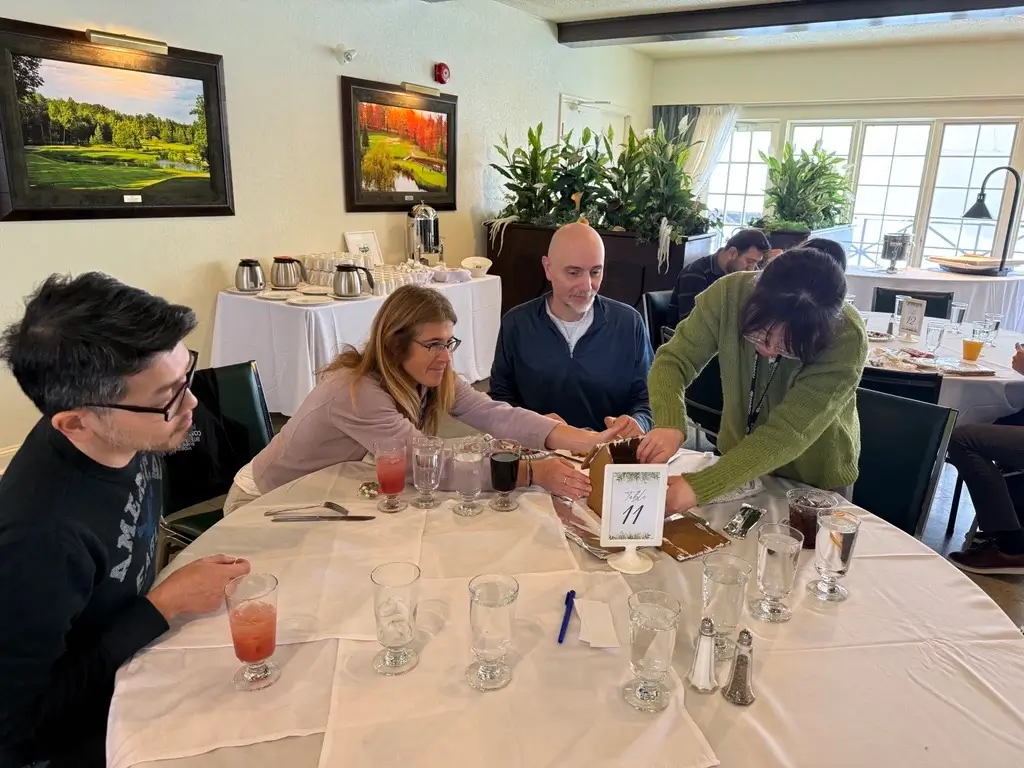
<point x="688" y="462"/>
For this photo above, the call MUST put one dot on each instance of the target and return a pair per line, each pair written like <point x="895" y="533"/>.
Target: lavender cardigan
<point x="332" y="426"/>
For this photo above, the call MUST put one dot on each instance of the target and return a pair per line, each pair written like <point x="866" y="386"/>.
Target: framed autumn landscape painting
<point x="88" y="131"/>
<point x="399" y="147"/>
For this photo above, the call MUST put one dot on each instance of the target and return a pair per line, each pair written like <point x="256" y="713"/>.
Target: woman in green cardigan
<point x="791" y="354"/>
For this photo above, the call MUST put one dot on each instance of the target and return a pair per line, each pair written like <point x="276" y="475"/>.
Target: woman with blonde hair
<point x="400" y="386"/>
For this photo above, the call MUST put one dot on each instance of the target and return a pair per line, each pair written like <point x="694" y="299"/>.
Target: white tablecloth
<point x="918" y="668"/>
<point x="290" y="343"/>
<point x="982" y="399"/>
<point x="1003" y="295"/>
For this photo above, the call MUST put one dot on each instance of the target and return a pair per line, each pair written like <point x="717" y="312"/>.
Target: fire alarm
<point x="442" y="73"/>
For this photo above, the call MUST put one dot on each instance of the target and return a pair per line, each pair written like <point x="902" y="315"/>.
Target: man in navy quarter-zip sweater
<point x="571" y="353"/>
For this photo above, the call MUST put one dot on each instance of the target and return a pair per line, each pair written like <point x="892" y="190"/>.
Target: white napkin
<point x="596" y="626"/>
<point x="688" y="462"/>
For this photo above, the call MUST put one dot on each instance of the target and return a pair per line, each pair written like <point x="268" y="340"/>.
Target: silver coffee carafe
<point x="249" y="276"/>
<point x="423" y="239"/>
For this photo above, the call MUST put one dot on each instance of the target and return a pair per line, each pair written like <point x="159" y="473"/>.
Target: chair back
<point x="937" y="304"/>
<point x="656" y="315"/>
<point x="923" y="387"/>
<point x="703" y="398"/>
<point x="231" y="424"/>
<point x="902" y="448"/>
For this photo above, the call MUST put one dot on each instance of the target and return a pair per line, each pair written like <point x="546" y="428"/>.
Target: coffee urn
<point x="423" y="238"/>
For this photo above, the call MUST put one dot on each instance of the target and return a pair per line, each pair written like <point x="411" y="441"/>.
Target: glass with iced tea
<point x="252" y="615"/>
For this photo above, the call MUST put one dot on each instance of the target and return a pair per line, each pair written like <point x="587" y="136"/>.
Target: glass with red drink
<point x="390" y="473"/>
<point x="252" y="615"/>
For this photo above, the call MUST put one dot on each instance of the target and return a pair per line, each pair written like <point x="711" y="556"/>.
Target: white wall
<point x="283" y="114"/>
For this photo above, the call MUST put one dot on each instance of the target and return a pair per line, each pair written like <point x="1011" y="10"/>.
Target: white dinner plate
<point x="314" y="290"/>
<point x="349" y="298"/>
<point x="308" y="301"/>
<point x="277" y="288"/>
<point x="232" y="289"/>
<point x="272" y="295"/>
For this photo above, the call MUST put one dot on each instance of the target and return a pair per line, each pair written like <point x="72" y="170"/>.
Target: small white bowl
<point x="459" y="276"/>
<point x="477" y="265"/>
<point x="441" y="276"/>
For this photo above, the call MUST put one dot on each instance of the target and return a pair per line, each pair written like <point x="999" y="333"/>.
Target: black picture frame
<point x="359" y="199"/>
<point x="175" y="196"/>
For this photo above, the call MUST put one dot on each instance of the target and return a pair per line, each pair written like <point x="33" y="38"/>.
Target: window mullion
<point x="924" y="202"/>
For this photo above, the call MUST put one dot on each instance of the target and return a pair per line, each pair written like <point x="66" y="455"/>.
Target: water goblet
<point x="492" y="613"/>
<point x="933" y="336"/>
<point x="395" y="593"/>
<point x="778" y="551"/>
<point x="251" y="602"/>
<point x="653" y="618"/>
<point x="468" y="467"/>
<point x="426" y="470"/>
<point x="390" y="473"/>
<point x="504" y="461"/>
<point x="996" y="321"/>
<point x="723" y="589"/>
<point x="956" y="318"/>
<point x="833" y="551"/>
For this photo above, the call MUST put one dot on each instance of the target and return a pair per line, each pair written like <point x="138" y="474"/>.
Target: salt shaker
<point x="739" y="689"/>
<point x="702" y="672"/>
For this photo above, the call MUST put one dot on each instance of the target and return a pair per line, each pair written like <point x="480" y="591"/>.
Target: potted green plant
<point x="808" y="194"/>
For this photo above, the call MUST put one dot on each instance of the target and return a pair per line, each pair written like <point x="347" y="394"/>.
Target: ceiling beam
<point x="776" y="18"/>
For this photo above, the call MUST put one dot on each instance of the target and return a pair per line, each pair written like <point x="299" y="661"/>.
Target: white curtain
<point x="708" y="136"/>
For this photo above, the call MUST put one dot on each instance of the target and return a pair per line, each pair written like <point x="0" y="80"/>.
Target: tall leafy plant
<point x="666" y="192"/>
<point x="579" y="179"/>
<point x="529" y="175"/>
<point x="809" y="190"/>
<point x="624" y="177"/>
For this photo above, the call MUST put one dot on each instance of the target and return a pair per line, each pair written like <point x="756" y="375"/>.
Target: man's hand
<point x="561" y="478"/>
<point x="624" y="426"/>
<point x="198" y="587"/>
<point x="680" y="496"/>
<point x="659" y="445"/>
<point x="556" y="417"/>
<point x="1018" y="360"/>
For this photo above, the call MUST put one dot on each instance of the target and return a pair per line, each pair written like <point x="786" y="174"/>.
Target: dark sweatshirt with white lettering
<point x="77" y="557"/>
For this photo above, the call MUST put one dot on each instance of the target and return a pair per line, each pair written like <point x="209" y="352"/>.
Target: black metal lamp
<point x="980" y="211"/>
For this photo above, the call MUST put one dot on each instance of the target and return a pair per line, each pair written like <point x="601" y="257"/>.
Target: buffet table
<point x="979" y="399"/>
<point x="291" y="343"/>
<point x="918" y="668"/>
<point x="1003" y="295"/>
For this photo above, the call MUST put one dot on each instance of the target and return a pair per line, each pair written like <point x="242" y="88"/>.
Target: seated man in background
<point x="80" y="508"/>
<point x="975" y="450"/>
<point x="830" y="248"/>
<point x="742" y="253"/>
<point x="571" y="352"/>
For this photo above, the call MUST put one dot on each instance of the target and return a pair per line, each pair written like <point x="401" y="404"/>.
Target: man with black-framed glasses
<point x="80" y="506"/>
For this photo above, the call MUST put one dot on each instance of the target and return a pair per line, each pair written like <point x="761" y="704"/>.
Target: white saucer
<point x="308" y="301"/>
<point x="314" y="290"/>
<point x="349" y="298"/>
<point x="232" y="289"/>
<point x="272" y="296"/>
<point x="276" y="288"/>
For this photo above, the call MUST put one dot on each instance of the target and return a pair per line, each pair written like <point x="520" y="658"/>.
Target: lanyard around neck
<point x="753" y="411"/>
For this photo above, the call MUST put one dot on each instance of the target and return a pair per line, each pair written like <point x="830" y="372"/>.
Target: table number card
<point x="912" y="317"/>
<point x="633" y="512"/>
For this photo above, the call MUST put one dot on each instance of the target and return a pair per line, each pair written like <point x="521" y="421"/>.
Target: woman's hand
<point x="659" y="445"/>
<point x="625" y="426"/>
<point x="680" y="496"/>
<point x="1018" y="359"/>
<point x="560" y="477"/>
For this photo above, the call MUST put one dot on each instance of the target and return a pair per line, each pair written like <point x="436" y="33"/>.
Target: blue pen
<point x="570" y="596"/>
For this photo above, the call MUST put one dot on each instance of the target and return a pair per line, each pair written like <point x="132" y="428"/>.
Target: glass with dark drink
<point x="804" y="506"/>
<point x="504" y="473"/>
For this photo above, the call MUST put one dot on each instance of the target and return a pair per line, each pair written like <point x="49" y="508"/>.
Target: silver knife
<point x="319" y="518"/>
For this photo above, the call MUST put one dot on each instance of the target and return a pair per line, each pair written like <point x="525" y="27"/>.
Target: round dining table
<point x="979" y="399"/>
<point x="917" y="668"/>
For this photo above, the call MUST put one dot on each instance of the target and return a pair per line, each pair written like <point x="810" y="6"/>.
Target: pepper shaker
<point x="702" y="672"/>
<point x="739" y="689"/>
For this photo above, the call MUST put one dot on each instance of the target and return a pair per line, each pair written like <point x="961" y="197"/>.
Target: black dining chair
<point x="231" y="424"/>
<point x="656" y="317"/>
<point x="937" y="304"/>
<point x="902" y="448"/>
<point x="923" y="387"/>
<point x="704" y="400"/>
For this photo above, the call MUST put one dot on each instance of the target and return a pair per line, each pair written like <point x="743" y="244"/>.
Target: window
<point x="969" y="151"/>
<point x="889" y="178"/>
<point x="736" y="187"/>
<point x="833" y="138"/>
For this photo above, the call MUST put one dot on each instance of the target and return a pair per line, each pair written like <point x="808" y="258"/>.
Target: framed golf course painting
<point x="398" y="146"/>
<point x="89" y="131"/>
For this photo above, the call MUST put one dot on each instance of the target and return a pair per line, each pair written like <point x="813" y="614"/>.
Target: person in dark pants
<point x="741" y="253"/>
<point x="981" y="453"/>
<point x="80" y="506"/>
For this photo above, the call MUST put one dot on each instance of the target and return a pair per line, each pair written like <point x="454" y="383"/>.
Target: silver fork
<point x="324" y="505"/>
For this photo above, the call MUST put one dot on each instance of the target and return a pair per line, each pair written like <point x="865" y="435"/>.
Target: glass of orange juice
<point x="972" y="349"/>
<point x="252" y="615"/>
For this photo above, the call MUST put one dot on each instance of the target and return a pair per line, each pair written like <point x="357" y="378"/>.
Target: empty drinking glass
<point x="426" y="470"/>
<point x="251" y="602"/>
<point x="897" y="308"/>
<point x="468" y="468"/>
<point x="778" y="551"/>
<point x="982" y="332"/>
<point x="724" y="587"/>
<point x="956" y="318"/>
<point x="492" y="613"/>
<point x="996" y="321"/>
<point x="837" y="535"/>
<point x="653" y="618"/>
<point x="395" y="590"/>
<point x="390" y="473"/>
<point x="504" y="463"/>
<point x="933" y="336"/>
